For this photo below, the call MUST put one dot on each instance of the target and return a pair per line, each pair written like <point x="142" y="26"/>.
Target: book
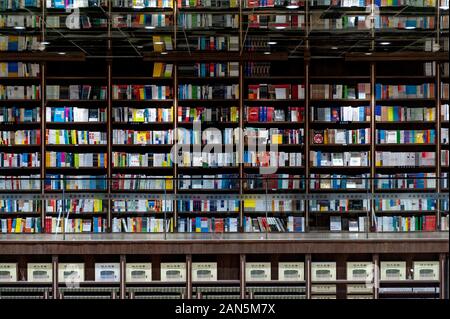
<point x="31" y="92"/>
<point x="19" y="69"/>
<point x="75" y="160"/>
<point x="20" y="137"/>
<point x="75" y="137"/>
<point x="16" y="160"/>
<point x="141" y="92"/>
<point x="208" y="92"/>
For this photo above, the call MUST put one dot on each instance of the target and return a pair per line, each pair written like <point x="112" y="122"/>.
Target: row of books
<point x="188" y="114"/>
<point x="272" y="159"/>
<point x="75" y="137"/>
<point x="17" y="114"/>
<point x="142" y="205"/>
<point x="141" y="225"/>
<point x="270" y="224"/>
<point x="142" y="137"/>
<point x="210" y="182"/>
<point x="19" y="43"/>
<point x="208" y="205"/>
<point x="75" y="225"/>
<point x="18" y="69"/>
<point x="405" y="223"/>
<point x="208" y="225"/>
<point x="76" y="92"/>
<point x="203" y="70"/>
<point x="444" y="158"/>
<point x="406" y="181"/>
<point x="19" y="4"/>
<point x="77" y="206"/>
<point x="121" y="159"/>
<point x="409" y="91"/>
<point x="80" y="22"/>
<point x="131" y="182"/>
<point x="28" y="182"/>
<point x="404" y="113"/>
<point x="15" y="160"/>
<point x="72" y="182"/>
<point x="338" y="181"/>
<point x="76" y="160"/>
<point x="403" y="204"/>
<point x="276" y="91"/>
<point x="20" y="137"/>
<point x="273" y="205"/>
<point x="347" y="159"/>
<point x="274" y="114"/>
<point x="402" y="159"/>
<point x="162" y="43"/>
<point x="257" y="69"/>
<point x="340" y="114"/>
<point x="142" y="115"/>
<point x="31" y="92"/>
<point x="279" y="21"/>
<point x="273" y="182"/>
<point x="341" y="136"/>
<point x="340" y="91"/>
<point x="142" y="3"/>
<point x="258" y="135"/>
<point x="75" y="114"/>
<point x="339" y="205"/>
<point x="342" y="23"/>
<point x="208" y="92"/>
<point x="405" y="22"/>
<point x="379" y="3"/>
<point x="141" y="92"/>
<point x="406" y="136"/>
<point x="19" y="205"/>
<point x="207" y="20"/>
<point x="162" y="70"/>
<point x="21" y="225"/>
<point x="339" y="223"/>
<point x="216" y="43"/>
<point x="208" y="4"/>
<point x="141" y="20"/>
<point x="203" y="159"/>
<point x="63" y="4"/>
<point x="444" y="112"/>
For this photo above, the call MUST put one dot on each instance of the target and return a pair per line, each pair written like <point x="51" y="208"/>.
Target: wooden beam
<point x="173" y="56"/>
<point x="397" y="56"/>
<point x="41" y="56"/>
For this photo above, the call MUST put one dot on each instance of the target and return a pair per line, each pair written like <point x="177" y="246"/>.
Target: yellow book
<point x="250" y="204"/>
<point x="18" y="225"/>
<point x="419" y="137"/>
<point x="141" y="137"/>
<point x="277" y="139"/>
<point x="158" y="45"/>
<point x="158" y="70"/>
<point x="169" y="183"/>
<point x="390" y="114"/>
<point x="97" y="205"/>
<point x="141" y="94"/>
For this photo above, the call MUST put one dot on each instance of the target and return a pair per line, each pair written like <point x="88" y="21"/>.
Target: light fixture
<point x="334" y="48"/>
<point x="267" y="53"/>
<point x="368" y="53"/>
<point x="149" y="27"/>
<point x="164" y="53"/>
<point x="45" y="43"/>
<point x="62" y="53"/>
<point x="280" y="27"/>
<point x="158" y="42"/>
<point x="385" y="43"/>
<point x="140" y="46"/>
<point x="272" y="42"/>
<point x="410" y="28"/>
<point x="443" y="7"/>
<point x="19" y="27"/>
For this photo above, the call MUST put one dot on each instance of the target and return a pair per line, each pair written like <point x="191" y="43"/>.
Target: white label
<point x="204" y="271"/>
<point x="257" y="271"/>
<point x="8" y="272"/>
<point x="39" y="272"/>
<point x="329" y="289"/>
<point x="173" y="271"/>
<point x="291" y="271"/>
<point x="107" y="272"/>
<point x="70" y="272"/>
<point x="360" y="271"/>
<point x="138" y="272"/>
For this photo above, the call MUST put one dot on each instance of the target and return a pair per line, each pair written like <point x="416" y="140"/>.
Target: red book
<point x="253" y="114"/>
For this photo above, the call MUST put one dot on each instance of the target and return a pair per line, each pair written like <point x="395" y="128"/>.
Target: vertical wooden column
<point x="306" y="138"/>
<point x="55" y="292"/>
<point x="240" y="148"/>
<point x="442" y="277"/>
<point x="376" y="275"/>
<point x="109" y="119"/>
<point x="189" y="276"/>
<point x="308" y="275"/>
<point x="175" y="120"/>
<point x="42" y="150"/>
<point x="242" y="278"/>
<point x="122" y="290"/>
<point x="438" y="138"/>
<point x="372" y="142"/>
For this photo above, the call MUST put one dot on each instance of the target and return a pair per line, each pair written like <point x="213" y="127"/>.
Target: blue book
<point x="378" y="91"/>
